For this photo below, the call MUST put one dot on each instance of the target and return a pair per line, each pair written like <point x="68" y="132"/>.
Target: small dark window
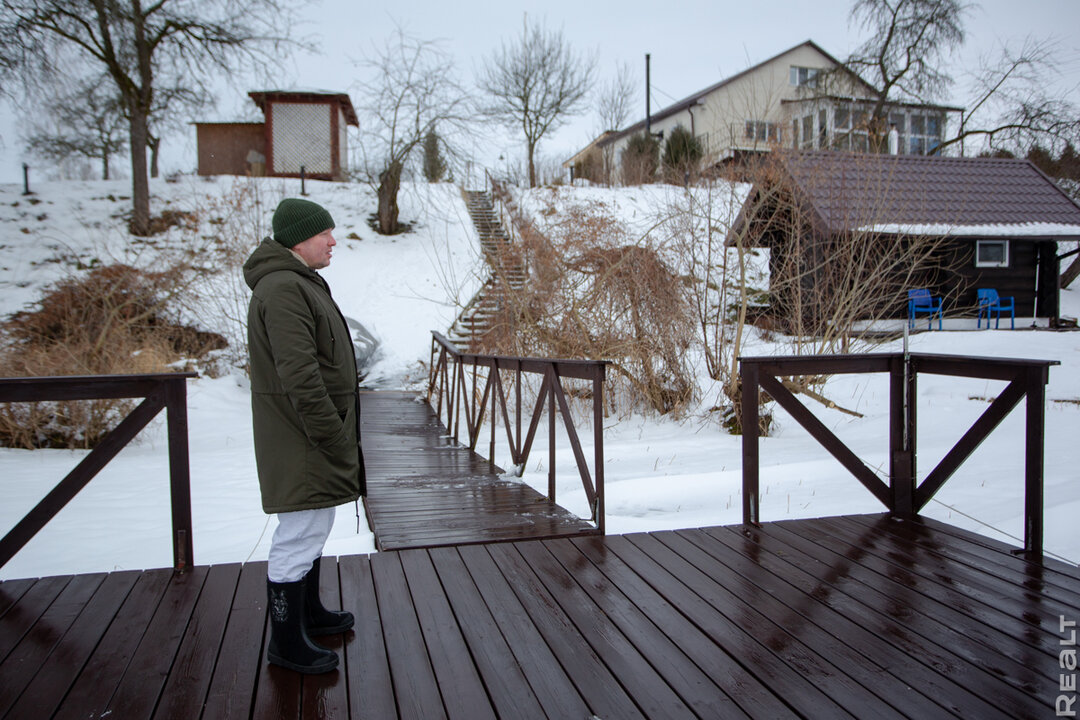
<point x="842" y="118"/>
<point x="992" y="253"/>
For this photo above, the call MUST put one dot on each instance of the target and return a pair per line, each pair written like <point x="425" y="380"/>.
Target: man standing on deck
<point x="306" y="417"/>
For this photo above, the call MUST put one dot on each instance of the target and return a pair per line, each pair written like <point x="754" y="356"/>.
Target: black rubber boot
<point x="290" y="645"/>
<point x="321" y="621"/>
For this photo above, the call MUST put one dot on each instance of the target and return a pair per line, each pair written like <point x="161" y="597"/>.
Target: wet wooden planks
<point x="425" y="490"/>
<point x="856" y="617"/>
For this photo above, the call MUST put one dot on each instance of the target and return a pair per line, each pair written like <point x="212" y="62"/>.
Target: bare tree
<point x="910" y="41"/>
<point x="412" y="91"/>
<point x="615" y="98"/>
<point x="136" y="44"/>
<point x="176" y="101"/>
<point x="1014" y="104"/>
<point x="536" y="83"/>
<point x="83" y="118"/>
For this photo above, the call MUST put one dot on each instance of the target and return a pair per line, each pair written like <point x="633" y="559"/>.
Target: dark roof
<point x="260" y="97"/>
<point x="853" y="190"/>
<point x="693" y="99"/>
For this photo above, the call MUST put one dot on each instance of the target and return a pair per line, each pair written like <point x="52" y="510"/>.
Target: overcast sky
<point x="692" y="44"/>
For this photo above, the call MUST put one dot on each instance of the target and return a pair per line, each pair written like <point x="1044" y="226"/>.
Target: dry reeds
<point x="112" y="320"/>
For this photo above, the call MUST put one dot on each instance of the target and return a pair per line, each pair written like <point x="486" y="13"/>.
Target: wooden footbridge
<point x="483" y="614"/>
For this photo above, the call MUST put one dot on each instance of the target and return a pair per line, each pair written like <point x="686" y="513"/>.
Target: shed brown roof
<point x="260" y="97"/>
<point x="853" y="190"/>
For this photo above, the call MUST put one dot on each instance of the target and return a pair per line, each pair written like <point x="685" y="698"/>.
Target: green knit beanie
<point x="296" y="220"/>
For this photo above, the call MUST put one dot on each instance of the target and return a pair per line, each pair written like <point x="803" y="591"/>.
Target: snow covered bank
<point x="661" y="473"/>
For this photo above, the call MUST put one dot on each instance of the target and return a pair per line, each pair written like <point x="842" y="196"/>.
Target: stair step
<point x="489" y="302"/>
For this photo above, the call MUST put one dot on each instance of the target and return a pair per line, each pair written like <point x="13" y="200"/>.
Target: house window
<point x="926" y="132"/>
<point x="763" y="131"/>
<point x="801" y="76"/>
<point x="808" y="132"/>
<point x="842" y="118"/>
<point x="992" y="253"/>
<point x="860" y="119"/>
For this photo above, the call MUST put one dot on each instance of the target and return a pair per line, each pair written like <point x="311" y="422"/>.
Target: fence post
<point x="492" y="383"/>
<point x="1037" y="378"/>
<point x="517" y="409"/>
<point x="598" y="446"/>
<point x="179" y="472"/>
<point x="902" y="437"/>
<point x="749" y="390"/>
<point x="551" y="432"/>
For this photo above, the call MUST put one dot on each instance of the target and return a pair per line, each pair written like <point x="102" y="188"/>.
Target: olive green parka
<point x="304" y="396"/>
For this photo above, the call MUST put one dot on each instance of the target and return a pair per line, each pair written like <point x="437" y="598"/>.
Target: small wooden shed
<point x="1001" y="220"/>
<point x="304" y="130"/>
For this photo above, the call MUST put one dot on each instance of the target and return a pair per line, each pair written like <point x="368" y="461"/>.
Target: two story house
<point x="799" y="99"/>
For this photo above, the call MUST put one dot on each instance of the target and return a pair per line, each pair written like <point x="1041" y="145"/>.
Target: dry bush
<point x="640" y="160"/>
<point x="111" y="320"/>
<point x="594" y="292"/>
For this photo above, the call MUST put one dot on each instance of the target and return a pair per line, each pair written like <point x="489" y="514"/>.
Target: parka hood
<point x="269" y="257"/>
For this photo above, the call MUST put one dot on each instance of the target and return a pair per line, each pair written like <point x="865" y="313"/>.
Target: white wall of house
<point x="747" y="112"/>
<point x="791" y="101"/>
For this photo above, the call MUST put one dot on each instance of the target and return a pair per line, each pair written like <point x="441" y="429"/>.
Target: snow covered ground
<point x="660" y="473"/>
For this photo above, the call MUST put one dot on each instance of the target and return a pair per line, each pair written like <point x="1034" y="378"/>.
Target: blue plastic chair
<point x="920" y="300"/>
<point x="990" y="303"/>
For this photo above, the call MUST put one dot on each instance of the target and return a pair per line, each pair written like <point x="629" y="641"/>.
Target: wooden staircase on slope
<point x="505" y="274"/>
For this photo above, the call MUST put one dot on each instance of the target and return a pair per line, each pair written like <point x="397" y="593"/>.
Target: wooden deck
<point x="424" y="490"/>
<point x="852" y="617"/>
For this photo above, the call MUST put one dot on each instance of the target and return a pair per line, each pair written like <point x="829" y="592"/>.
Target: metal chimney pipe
<point x="894" y="141"/>
<point x="648" y="117"/>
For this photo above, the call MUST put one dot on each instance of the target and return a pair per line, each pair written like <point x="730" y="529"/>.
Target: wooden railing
<point x="165" y="390"/>
<point x="458" y="395"/>
<point x="499" y="195"/>
<point x="903" y="496"/>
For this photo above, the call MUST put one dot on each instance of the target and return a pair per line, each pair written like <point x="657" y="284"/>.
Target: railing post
<point x="1037" y="378"/>
<point x="517" y="407"/>
<point x="901" y="437"/>
<point x="179" y="472"/>
<point x="598" y="446"/>
<point x="551" y="433"/>
<point x="476" y="410"/>
<point x="455" y="397"/>
<point x="432" y="370"/>
<point x="749" y="390"/>
<point x="492" y="383"/>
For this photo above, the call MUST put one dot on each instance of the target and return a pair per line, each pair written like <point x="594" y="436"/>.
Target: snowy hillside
<point x="660" y="473"/>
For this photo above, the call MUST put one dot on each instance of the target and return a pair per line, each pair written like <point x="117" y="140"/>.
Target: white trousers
<point x="297" y="542"/>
